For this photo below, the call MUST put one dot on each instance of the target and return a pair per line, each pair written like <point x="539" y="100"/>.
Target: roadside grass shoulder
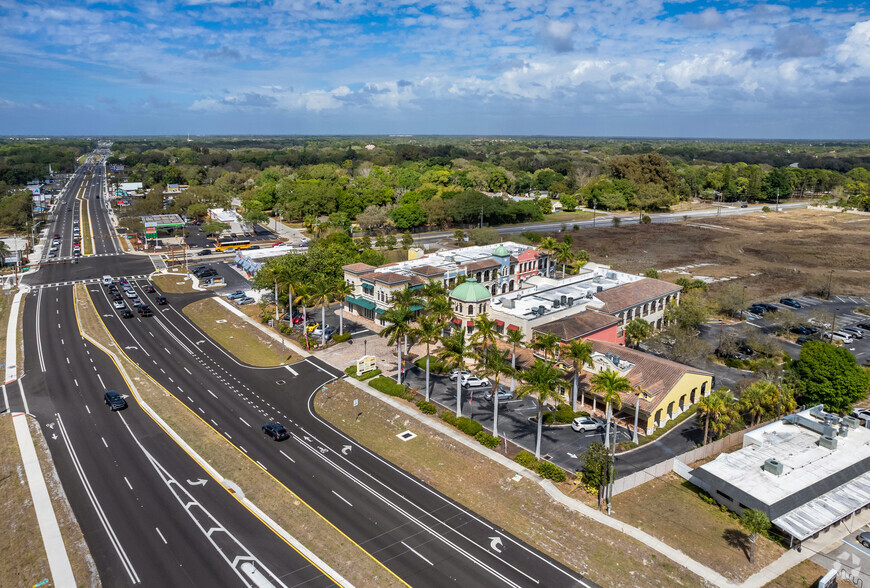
<point x="241" y="339"/>
<point x="273" y="498"/>
<point x="522" y="507"/>
<point x="22" y="554"/>
<point x="805" y="575"/>
<point x="670" y="509"/>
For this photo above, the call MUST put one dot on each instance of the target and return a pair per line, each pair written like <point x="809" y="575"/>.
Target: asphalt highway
<point x="417" y="533"/>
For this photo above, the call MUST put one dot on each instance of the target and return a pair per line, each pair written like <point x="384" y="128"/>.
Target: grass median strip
<point x="175" y="281"/>
<point x="87" y="238"/>
<point x="273" y="498"/>
<point x="521" y="507"/>
<point x="243" y="340"/>
<point x="22" y="555"/>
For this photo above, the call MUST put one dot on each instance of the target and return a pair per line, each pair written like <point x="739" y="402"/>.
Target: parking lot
<point x="196" y="238"/>
<point x="839" y="310"/>
<point x="851" y="559"/>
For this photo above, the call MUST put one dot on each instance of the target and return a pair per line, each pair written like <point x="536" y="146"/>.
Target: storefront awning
<point x="499" y="322"/>
<point x="380" y="311"/>
<point x="513" y="328"/>
<point x="361" y="302"/>
<point x="469" y="324"/>
<point x="457" y="321"/>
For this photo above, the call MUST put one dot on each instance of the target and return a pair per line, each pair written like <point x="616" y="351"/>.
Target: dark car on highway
<point x="161" y="300"/>
<point x="114" y="400"/>
<point x="790" y="302"/>
<point x="276" y="431"/>
<point x="127" y="313"/>
<point x="204" y="252"/>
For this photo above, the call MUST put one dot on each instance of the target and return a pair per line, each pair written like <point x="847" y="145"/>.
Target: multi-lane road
<point x="146" y="514"/>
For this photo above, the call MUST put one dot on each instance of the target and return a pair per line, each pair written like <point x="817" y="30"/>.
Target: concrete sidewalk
<point x="52" y="540"/>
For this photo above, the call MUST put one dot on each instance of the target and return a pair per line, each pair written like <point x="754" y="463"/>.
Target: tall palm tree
<point x="320" y="293"/>
<point x="454" y="353"/>
<point x="485" y="331"/>
<point x="302" y="292"/>
<point x="433" y="289"/>
<point x="427" y="331"/>
<point x="440" y="308"/>
<point x="609" y="384"/>
<point x="579" y="352"/>
<point x="495" y="365"/>
<point x="756" y="398"/>
<point x="542" y="381"/>
<point x="409" y="300"/>
<point x="711" y="407"/>
<point x="563" y="255"/>
<point x="514" y="338"/>
<point x="341" y="291"/>
<point x="548" y="245"/>
<point x="399" y="320"/>
<point x="547" y="343"/>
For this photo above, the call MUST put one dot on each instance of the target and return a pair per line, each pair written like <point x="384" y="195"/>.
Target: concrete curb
<point x="338" y="578"/>
<point x="12" y="337"/>
<point x="52" y="540"/>
<point x="673" y="554"/>
<point x="275" y="336"/>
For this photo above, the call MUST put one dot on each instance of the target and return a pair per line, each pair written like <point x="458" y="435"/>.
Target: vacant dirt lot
<point x="771" y="254"/>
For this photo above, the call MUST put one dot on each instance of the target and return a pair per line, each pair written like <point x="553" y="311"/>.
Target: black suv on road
<point x="114" y="400"/>
<point x="276" y="431"/>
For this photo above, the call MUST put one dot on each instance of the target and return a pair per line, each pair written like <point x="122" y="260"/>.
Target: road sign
<point x="365" y="364"/>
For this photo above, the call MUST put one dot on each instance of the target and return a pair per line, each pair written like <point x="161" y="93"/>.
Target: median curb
<point x="275" y="336"/>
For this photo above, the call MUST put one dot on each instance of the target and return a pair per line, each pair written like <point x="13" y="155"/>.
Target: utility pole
<point x="594" y="207"/>
<point x="777" y="200"/>
<point x="611" y="472"/>
<point x="830" y="277"/>
<point x="636" y="411"/>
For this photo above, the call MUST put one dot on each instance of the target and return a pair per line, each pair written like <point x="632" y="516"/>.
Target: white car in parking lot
<point x="854" y="331"/>
<point x="475" y="382"/>
<point x="839" y="336"/>
<point x="587" y="424"/>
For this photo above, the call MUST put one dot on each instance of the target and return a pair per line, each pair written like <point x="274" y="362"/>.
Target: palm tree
<point x="409" y="300"/>
<point x="542" y="381"/>
<point x="548" y="244"/>
<point x="399" y="320"/>
<point x="341" y="291"/>
<point x="320" y="294"/>
<point x="514" y="338"/>
<point x="454" y="353"/>
<point x="754" y="521"/>
<point x="563" y="255"/>
<point x="495" y="365"/>
<point x="428" y="331"/>
<point x="580" y="352"/>
<point x="756" y="398"/>
<point x="485" y="331"/>
<point x="714" y="410"/>
<point x="637" y="330"/>
<point x="433" y="289"/>
<point x="303" y="297"/>
<point x="440" y="308"/>
<point x="547" y="343"/>
<point x="609" y="384"/>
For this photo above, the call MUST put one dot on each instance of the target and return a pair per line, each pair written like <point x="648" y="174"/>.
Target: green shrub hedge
<point x="426" y="407"/>
<point x="468" y="426"/>
<point x="487" y="440"/>
<point x="351" y="371"/>
<point x="546" y="469"/>
<point x="341" y="338"/>
<point x="526" y="459"/>
<point x="436" y="366"/>
<point x="391" y="388"/>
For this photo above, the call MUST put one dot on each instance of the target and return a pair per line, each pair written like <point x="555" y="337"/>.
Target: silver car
<point x="586" y="424"/>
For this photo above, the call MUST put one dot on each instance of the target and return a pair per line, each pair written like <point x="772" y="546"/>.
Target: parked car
<point x="801" y="331"/>
<point x="864" y="539"/>
<point x="236" y="295"/>
<point x="865" y="326"/>
<point x="503" y="394"/>
<point x="276" y="431"/>
<point x="318" y="331"/>
<point x="475" y="382"/>
<point x="585" y="424"/>
<point x="456" y="373"/>
<point x="769" y="307"/>
<point x="790" y="302"/>
<point x="861" y="414"/>
<point x="311" y="326"/>
<point x="856" y="333"/>
<point x="245" y="300"/>
<point x="806" y="339"/>
<point x="114" y="400"/>
<point x="839" y="336"/>
<point x="757" y="309"/>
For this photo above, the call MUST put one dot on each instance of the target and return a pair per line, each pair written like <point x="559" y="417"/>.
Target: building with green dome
<point x="469" y="299"/>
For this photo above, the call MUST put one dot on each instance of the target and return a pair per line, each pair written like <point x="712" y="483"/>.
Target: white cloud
<point x="855" y="49"/>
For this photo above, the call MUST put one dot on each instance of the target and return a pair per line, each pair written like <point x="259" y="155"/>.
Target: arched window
<point x="470" y="309"/>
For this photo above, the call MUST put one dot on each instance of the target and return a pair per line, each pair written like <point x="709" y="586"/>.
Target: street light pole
<point x="636" y="411"/>
<point x="830" y="277"/>
<point x="594" y="208"/>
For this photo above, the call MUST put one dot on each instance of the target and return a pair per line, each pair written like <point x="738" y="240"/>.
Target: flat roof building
<point x="807" y="472"/>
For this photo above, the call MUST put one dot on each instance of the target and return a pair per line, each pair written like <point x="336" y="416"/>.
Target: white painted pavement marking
<point x="101" y="382"/>
<point x="103" y="439"/>
<point x="23" y="397"/>
<point x="128" y="483"/>
<point x="417" y="553"/>
<point x="87" y="409"/>
<point x="161" y="536"/>
<point x="345" y="500"/>
<point x="244" y="421"/>
<point x="212" y="393"/>
<point x="287" y="456"/>
<point x="289" y="369"/>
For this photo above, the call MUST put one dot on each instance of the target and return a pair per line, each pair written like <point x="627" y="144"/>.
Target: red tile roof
<point x="358" y="268"/>
<point x="634" y="293"/>
<point x="578" y="325"/>
<point x="481" y="265"/>
<point x="428" y="270"/>
<point x="386" y="277"/>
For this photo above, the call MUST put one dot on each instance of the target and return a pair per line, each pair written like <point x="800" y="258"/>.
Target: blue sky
<point x="796" y="69"/>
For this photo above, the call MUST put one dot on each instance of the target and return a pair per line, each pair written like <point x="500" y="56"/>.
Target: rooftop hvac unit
<point x="831" y="419"/>
<point x="542" y="309"/>
<point x="564" y="300"/>
<point x="510" y="303"/>
<point x="600" y="289"/>
<point x="773" y="466"/>
<point x="844" y="430"/>
<point x="828" y="442"/>
<point x="589" y="293"/>
<point x="570" y="301"/>
<point x="851" y="421"/>
<point x="616" y="360"/>
<point x="611" y="276"/>
<point x="556" y="303"/>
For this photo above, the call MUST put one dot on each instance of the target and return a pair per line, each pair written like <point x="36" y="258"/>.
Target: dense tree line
<point x="23" y="161"/>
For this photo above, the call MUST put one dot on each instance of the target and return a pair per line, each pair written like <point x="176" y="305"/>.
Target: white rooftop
<point x="450" y="260"/>
<point x="578" y="292"/>
<point x="797" y="448"/>
<point x="266" y="252"/>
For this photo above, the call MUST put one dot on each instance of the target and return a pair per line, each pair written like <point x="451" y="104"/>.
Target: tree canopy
<point x="830" y="375"/>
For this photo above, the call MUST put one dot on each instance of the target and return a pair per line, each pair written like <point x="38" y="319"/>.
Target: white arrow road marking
<point x="131" y="347"/>
<point x="572" y="456"/>
<point x="495" y="544"/>
<point x="199" y="482"/>
<point x="346" y="449"/>
<point x="54" y="437"/>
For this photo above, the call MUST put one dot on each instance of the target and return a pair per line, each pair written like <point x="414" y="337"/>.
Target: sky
<point x="643" y="68"/>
